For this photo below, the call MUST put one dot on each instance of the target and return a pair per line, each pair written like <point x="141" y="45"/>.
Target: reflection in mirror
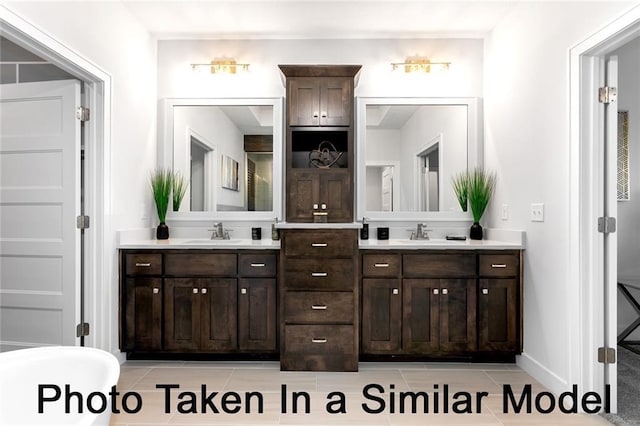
<point x="227" y="153"/>
<point x="412" y="148"/>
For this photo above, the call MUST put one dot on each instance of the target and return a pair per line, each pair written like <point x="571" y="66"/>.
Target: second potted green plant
<point x="476" y="188"/>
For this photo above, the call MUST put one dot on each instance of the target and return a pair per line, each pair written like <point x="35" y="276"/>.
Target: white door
<point x="387" y="189"/>
<point x="611" y="239"/>
<point x="39" y="202"/>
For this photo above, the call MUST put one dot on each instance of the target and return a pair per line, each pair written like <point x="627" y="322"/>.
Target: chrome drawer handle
<point x="445" y="291"/>
<point x="318" y="340"/>
<point x="498" y="265"/>
<point x="319" y="274"/>
<point x="143" y="265"/>
<point x="156" y="290"/>
<point x="485" y="291"/>
<point x="319" y="244"/>
<point x="257" y="265"/>
<point x="319" y="307"/>
<point x="323" y="115"/>
<point x="315" y="114"/>
<point x="381" y="265"/>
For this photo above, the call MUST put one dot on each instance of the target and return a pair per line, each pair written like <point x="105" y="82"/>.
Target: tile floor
<point x="265" y="379"/>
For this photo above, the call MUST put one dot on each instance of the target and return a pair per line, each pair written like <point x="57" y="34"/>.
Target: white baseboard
<point x="542" y="374"/>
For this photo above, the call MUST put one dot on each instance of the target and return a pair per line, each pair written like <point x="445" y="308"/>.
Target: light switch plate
<point x="505" y="212"/>
<point x="537" y="212"/>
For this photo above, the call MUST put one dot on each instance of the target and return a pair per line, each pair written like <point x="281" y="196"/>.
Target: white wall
<point x="176" y="79"/>
<point x="527" y="143"/>
<point x="629" y="211"/>
<point x="106" y="34"/>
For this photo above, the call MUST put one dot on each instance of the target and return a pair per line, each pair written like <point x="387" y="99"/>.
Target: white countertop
<point x="438" y="244"/>
<point x="203" y="243"/>
<point x="296" y="225"/>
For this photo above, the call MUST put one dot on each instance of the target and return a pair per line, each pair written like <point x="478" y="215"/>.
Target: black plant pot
<point x="475" y="233"/>
<point x="162" y="232"/>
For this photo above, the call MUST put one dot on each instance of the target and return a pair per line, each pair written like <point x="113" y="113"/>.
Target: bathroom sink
<point x="210" y="242"/>
<point x="433" y="241"/>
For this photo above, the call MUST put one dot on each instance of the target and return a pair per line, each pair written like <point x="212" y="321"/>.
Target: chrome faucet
<point x="421" y="233"/>
<point x="218" y="232"/>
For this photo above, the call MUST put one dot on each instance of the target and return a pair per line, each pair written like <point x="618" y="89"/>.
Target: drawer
<point x="499" y="265"/>
<point x="381" y="265"/>
<point x="439" y="265"/>
<point x="201" y="264"/>
<point x="321" y="243"/>
<point x="324" y="307"/>
<point x="319" y="274"/>
<point x="319" y="348"/>
<point x="143" y="264"/>
<point x="257" y="265"/>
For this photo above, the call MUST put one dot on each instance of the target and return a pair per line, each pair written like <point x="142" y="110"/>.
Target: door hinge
<point x="606" y="95"/>
<point x="82" y="222"/>
<point x="606" y="355"/>
<point x="82" y="329"/>
<point x="606" y="225"/>
<point x="83" y="113"/>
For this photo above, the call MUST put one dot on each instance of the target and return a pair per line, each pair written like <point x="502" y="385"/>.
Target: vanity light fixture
<point x="222" y="65"/>
<point x="420" y="64"/>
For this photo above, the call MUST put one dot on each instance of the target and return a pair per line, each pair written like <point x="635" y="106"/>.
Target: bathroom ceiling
<point x="244" y="19"/>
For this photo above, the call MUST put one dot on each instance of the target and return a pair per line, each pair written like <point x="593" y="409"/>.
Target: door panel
<point x="181" y="309"/>
<point x="381" y="315"/>
<point x="421" y="319"/>
<point x="457" y="315"/>
<point x="218" y="314"/>
<point x="39" y="242"/>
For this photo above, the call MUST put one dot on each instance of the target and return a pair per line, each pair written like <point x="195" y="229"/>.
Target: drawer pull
<point x="257" y="265"/>
<point x="445" y="291"/>
<point x="319" y="307"/>
<point x="395" y="291"/>
<point x="143" y="265"/>
<point x="498" y="265"/>
<point x="319" y="274"/>
<point x="243" y="291"/>
<point x="381" y="265"/>
<point x="319" y="244"/>
<point x="315" y="114"/>
<point x="485" y="291"/>
<point x="204" y="291"/>
<point x="156" y="290"/>
<point x="318" y="340"/>
<point x="195" y="291"/>
<point x="436" y="291"/>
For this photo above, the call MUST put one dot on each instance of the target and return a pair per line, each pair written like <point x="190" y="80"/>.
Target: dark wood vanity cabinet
<point x="319" y="300"/>
<point x="198" y="301"/>
<point x="441" y="303"/>
<point x="320" y="126"/>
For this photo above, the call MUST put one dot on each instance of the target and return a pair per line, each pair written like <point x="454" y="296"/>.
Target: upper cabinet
<point x="320" y="157"/>
<point x="321" y="101"/>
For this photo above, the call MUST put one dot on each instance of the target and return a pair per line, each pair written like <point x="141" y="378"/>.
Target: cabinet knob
<point x="156" y="290"/>
<point x="315" y="114"/>
<point x="323" y="340"/>
<point x="485" y="291"/>
<point x="203" y="291"/>
<point x="395" y="291"/>
<point x="380" y="265"/>
<point x="319" y="307"/>
<point x="436" y="291"/>
<point x="319" y="274"/>
<point x="445" y="291"/>
<point x="195" y="291"/>
<point x="324" y="114"/>
<point x="243" y="291"/>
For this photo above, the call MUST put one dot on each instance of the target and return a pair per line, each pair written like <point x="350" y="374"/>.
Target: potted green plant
<point x="460" y="183"/>
<point x="179" y="186"/>
<point x="161" y="182"/>
<point x="480" y="184"/>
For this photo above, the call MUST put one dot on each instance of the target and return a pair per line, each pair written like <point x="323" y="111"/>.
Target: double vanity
<point x="320" y="297"/>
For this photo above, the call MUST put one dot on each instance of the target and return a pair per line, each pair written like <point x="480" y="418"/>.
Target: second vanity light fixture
<point x="420" y="64"/>
<point x="222" y="65"/>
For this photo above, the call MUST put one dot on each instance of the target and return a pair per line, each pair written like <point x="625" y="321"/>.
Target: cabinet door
<point x="381" y="315"/>
<point x="218" y="314"/>
<point x="304" y="102"/>
<point x="181" y="314"/>
<point x="335" y="192"/>
<point x="498" y="314"/>
<point x="257" y="314"/>
<point x="457" y="315"/>
<point x="143" y="313"/>
<point x="336" y="98"/>
<point x="303" y="191"/>
<point x="421" y="321"/>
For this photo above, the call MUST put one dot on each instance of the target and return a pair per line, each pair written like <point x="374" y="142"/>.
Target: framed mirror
<point x="408" y="151"/>
<point x="230" y="152"/>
